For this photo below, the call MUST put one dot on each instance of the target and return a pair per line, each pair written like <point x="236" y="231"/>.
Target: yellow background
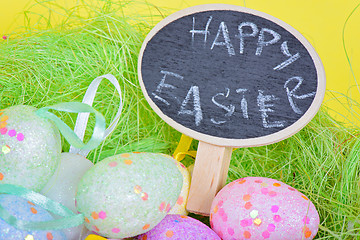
<point x="320" y="21"/>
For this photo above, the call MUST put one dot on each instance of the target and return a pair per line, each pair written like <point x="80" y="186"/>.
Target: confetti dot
<point x="291" y="189"/>
<point x="277" y="218"/>
<point x="265" y="234"/>
<point x="169" y="233"/>
<point x="12" y="133"/>
<point x="162" y="206"/>
<point x="1" y="176"/>
<point x="231" y="231"/>
<point x="31" y="203"/>
<point x="182" y="216"/>
<point x="241" y="181"/>
<point x="144" y="196"/>
<point x="264" y="184"/>
<point x="4" y="37"/>
<point x="137" y="189"/>
<point x="115" y="230"/>
<point x="20" y="137"/>
<point x="5" y="149"/>
<point x="306" y="220"/>
<point x="272" y="194"/>
<point x="248" y="205"/>
<point x="274" y="208"/>
<point x="257" y="221"/>
<point x="304" y="197"/>
<point x="254" y="213"/>
<point x="113" y="164"/>
<point x="247" y="234"/>
<point x="216" y="208"/>
<point x="144" y="237"/>
<point x="29" y="237"/>
<point x="4" y="118"/>
<point x="125" y="155"/>
<point x="94" y="215"/>
<point x="128" y="161"/>
<point x="3" y="130"/>
<point x="87" y="220"/>
<point x="168" y="207"/>
<point x="177" y="221"/>
<point x="276" y="184"/>
<point x="95" y="228"/>
<point x="264" y="191"/>
<point x="49" y="236"/>
<point x="102" y="214"/>
<point x="33" y="210"/>
<point x="246" y="197"/>
<point x="223" y="215"/>
<point x="307" y="233"/>
<point x="258" y="181"/>
<point x="180" y="200"/>
<point x="220" y="203"/>
<point x="146" y="226"/>
<point x="271" y="227"/>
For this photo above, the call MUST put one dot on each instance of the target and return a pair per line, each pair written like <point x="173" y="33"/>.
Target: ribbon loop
<point x="69" y="219"/>
<point x="82" y="118"/>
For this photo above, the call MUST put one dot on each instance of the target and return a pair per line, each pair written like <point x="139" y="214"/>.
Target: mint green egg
<point x="30" y="148"/>
<point x="128" y="194"/>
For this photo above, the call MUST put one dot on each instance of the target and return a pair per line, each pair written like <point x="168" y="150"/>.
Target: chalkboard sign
<point x="231" y="76"/>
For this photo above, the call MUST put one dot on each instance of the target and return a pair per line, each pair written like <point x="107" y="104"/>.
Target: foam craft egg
<point x="263" y="208"/>
<point x="25" y="211"/>
<point x="180" y="206"/>
<point x="30" y="148"/>
<point x="62" y="185"/>
<point x="128" y="194"/>
<point x="180" y="227"/>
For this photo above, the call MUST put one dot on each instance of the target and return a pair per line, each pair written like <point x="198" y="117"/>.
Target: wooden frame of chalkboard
<point x="273" y="137"/>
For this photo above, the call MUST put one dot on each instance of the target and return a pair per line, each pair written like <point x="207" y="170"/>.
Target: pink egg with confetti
<point x="263" y="208"/>
<point x="180" y="227"/>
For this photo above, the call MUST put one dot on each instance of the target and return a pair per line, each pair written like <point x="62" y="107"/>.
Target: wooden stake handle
<point x="209" y="176"/>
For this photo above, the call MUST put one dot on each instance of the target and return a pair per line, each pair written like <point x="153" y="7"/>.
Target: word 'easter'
<point x="264" y="101"/>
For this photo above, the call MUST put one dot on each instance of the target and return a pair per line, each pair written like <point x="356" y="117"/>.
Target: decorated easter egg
<point x="62" y="185"/>
<point x="263" y="208"/>
<point x="180" y="205"/>
<point x="180" y="227"/>
<point x="25" y="211"/>
<point x="30" y="148"/>
<point x="128" y="194"/>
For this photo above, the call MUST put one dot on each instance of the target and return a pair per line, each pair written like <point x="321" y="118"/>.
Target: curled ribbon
<point x="69" y="219"/>
<point x="76" y="107"/>
<point x="82" y="118"/>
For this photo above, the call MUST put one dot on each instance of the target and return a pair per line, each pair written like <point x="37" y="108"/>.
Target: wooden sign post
<point x="230" y="77"/>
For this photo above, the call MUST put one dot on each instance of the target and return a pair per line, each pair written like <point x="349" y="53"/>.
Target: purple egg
<point x="180" y="227"/>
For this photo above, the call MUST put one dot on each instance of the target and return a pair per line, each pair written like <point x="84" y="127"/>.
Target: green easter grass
<point x="48" y="64"/>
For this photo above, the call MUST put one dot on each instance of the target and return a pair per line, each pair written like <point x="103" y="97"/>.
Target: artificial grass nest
<point x="56" y="64"/>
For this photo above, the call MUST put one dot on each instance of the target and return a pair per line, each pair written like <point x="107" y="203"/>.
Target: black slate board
<point x="229" y="74"/>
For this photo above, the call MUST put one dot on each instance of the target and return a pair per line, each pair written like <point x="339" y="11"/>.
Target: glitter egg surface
<point x="30" y="148"/>
<point x="263" y="208"/>
<point x="25" y="211"/>
<point x="180" y="227"/>
<point x="128" y="194"/>
<point x="180" y="206"/>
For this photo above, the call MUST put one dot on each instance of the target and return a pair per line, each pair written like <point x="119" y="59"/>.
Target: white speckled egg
<point x="180" y="206"/>
<point x="30" y="148"/>
<point x="25" y="211"/>
<point x="263" y="208"/>
<point x="128" y="194"/>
